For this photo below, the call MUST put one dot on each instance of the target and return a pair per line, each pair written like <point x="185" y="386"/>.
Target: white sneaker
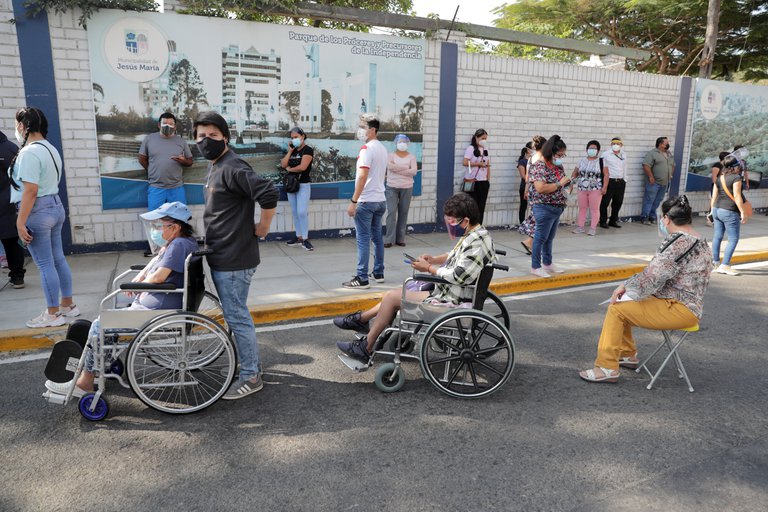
<point x="540" y="272"/>
<point x="69" y="311"/>
<point x="46" y="320"/>
<point x="591" y="232"/>
<point x="726" y="269"/>
<point x="552" y="269"/>
<point x="578" y="231"/>
<point x="62" y="388"/>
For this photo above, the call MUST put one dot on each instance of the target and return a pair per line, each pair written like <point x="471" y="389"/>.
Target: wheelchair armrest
<point x="137" y="267"/>
<point x="147" y="286"/>
<point x="204" y="251"/>
<point x="500" y="252"/>
<point x="429" y="278"/>
<point x="505" y="268"/>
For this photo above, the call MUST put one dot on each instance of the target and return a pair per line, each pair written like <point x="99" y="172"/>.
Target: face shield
<point x="453" y="226"/>
<point x="153" y="230"/>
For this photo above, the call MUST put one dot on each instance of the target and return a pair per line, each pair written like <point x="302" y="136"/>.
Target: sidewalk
<point x="292" y="283"/>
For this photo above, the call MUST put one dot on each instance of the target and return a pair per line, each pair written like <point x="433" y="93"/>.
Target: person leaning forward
<point x="231" y="188"/>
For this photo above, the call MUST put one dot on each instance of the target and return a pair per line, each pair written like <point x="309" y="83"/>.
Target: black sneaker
<point x="355" y="282"/>
<point x="379" y="278"/>
<point x="614" y="224"/>
<point x="307" y="246"/>
<point x="357" y="349"/>
<point x="293" y="242"/>
<point x="604" y="225"/>
<point x="645" y="222"/>
<point x="17" y="282"/>
<point x="351" y="322"/>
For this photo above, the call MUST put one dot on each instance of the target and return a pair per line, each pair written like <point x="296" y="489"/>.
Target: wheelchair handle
<point x="203" y="252"/>
<point x="500" y="252"/>
<point x="505" y="268"/>
<point x="137" y="267"/>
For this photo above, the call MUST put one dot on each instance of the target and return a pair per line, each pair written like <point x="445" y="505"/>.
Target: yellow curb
<point x="29" y="339"/>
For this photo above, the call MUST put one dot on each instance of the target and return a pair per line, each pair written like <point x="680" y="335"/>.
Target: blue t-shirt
<point x="173" y="258"/>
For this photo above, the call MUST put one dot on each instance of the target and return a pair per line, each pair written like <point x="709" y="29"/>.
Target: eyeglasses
<point x="161" y="225"/>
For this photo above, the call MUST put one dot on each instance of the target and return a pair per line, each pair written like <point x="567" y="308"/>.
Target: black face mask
<point x="211" y="149"/>
<point x="666" y="147"/>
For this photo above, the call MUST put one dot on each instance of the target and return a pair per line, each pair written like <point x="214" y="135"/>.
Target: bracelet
<point x="352" y="200"/>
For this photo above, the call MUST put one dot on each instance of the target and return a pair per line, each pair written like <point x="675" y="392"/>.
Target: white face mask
<point x="402" y="146"/>
<point x="361" y="134"/>
<point x="616" y="148"/>
<point x="482" y="142"/>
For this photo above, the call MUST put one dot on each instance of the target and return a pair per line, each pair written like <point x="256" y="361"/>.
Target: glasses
<point x="161" y="225"/>
<point x="561" y="155"/>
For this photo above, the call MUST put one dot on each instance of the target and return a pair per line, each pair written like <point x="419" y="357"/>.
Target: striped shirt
<point x="463" y="266"/>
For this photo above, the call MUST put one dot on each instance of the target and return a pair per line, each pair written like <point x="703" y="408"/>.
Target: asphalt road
<point x="322" y="438"/>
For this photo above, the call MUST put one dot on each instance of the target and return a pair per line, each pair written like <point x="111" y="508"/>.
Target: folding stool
<point x="672" y="347"/>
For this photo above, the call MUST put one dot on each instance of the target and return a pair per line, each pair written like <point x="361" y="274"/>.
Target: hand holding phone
<point x="409" y="259"/>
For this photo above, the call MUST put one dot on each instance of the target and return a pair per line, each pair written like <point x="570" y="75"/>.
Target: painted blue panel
<point x="446" y="146"/>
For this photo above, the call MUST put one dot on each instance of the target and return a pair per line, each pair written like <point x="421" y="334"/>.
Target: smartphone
<point x="22" y="243"/>
<point x="408" y="258"/>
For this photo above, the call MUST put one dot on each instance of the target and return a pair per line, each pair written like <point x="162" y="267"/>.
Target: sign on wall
<point x="727" y="115"/>
<point x="264" y="79"/>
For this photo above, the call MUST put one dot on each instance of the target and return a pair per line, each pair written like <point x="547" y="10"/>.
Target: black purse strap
<point x="58" y="174"/>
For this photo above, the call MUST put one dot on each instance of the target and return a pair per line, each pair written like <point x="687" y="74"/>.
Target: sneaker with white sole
<point x="356" y="282"/>
<point x="540" y="272"/>
<point x="307" y="245"/>
<point x="592" y="232"/>
<point x="62" y="388"/>
<point x="46" y="320"/>
<point x="552" y="269"/>
<point x="243" y="388"/>
<point x="69" y="311"/>
<point x="379" y="278"/>
<point x="578" y="231"/>
<point x="727" y="270"/>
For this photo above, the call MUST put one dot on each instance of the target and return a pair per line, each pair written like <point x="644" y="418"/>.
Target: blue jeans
<point x="398" y="203"/>
<point x="726" y="222"/>
<point x="368" y="218"/>
<point x="547" y="219"/>
<point x="299" y="202"/>
<point x="157" y="197"/>
<point x="45" y="222"/>
<point x="652" y="199"/>
<point x="232" y="287"/>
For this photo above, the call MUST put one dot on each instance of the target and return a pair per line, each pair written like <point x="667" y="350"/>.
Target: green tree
<point x="188" y="90"/>
<point x="291" y="101"/>
<point x="326" y="117"/>
<point x="414" y="110"/>
<point x="672" y="31"/>
<point x="87" y="7"/>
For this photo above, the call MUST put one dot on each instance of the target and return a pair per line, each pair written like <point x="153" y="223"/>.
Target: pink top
<point x="478" y="173"/>
<point x="401" y="170"/>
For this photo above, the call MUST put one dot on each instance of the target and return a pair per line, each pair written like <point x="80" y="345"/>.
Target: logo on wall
<point x="136" y="50"/>
<point x="711" y="102"/>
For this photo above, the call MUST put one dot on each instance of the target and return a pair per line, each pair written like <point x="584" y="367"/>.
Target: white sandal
<point x="608" y="375"/>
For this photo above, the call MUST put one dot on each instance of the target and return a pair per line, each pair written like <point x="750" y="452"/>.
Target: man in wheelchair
<point x="460" y="267"/>
<point x="171" y="235"/>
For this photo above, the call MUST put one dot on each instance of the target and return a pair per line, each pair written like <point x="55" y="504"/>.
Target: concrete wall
<point x="512" y="99"/>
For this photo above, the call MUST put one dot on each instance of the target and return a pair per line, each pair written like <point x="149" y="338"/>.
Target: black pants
<point x="480" y="194"/>
<point x="15" y="255"/>
<point x="614" y="196"/>
<point x="523" y="203"/>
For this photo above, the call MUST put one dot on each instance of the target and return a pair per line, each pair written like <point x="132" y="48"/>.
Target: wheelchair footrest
<point x="54" y="398"/>
<point x="63" y="361"/>
<point x="353" y="364"/>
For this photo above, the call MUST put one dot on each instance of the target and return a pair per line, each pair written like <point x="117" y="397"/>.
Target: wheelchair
<point x="465" y="352"/>
<point x="175" y="361"/>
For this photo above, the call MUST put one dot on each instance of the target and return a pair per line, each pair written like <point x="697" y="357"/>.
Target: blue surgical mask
<point x="558" y="162"/>
<point x="663" y="231"/>
<point x="157" y="237"/>
<point x="592" y="152"/>
<point x="296" y="142"/>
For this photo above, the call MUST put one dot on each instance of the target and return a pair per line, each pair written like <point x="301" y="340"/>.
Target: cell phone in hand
<point x="22" y="243"/>
<point x="408" y="258"/>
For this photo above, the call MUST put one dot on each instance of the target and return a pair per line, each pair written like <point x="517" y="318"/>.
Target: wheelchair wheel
<point x="390" y="378"/>
<point x="99" y="412"/>
<point x="180" y="362"/>
<point x="495" y="307"/>
<point x="407" y="343"/>
<point x="467" y="354"/>
<point x="210" y="306"/>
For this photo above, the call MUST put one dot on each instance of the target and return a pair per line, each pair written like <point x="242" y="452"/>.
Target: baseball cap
<point x="174" y="210"/>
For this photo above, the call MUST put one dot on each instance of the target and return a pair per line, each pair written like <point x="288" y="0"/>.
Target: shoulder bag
<point x="747" y="205"/>
<point x="469" y="183"/>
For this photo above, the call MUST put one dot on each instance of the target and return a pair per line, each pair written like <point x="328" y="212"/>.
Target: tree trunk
<point x="710" y="40"/>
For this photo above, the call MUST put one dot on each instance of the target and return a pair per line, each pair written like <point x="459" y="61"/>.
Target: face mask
<point x="592" y="152"/>
<point x="19" y="137"/>
<point x="666" y="147"/>
<point x="455" y="230"/>
<point x="558" y="162"/>
<point x="663" y="231"/>
<point x="361" y="134"/>
<point x="616" y="148"/>
<point x="296" y="142"/>
<point x="157" y="237"/>
<point x="167" y="129"/>
<point x="402" y="146"/>
<point x="211" y="149"/>
<point x="482" y="142"/>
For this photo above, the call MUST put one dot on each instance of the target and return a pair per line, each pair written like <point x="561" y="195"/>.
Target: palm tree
<point x="414" y="107"/>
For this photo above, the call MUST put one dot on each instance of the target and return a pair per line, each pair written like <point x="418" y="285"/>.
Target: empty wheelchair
<point x="464" y="351"/>
<point x="175" y="361"/>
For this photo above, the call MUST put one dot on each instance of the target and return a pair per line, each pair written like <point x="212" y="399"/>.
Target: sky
<point x="476" y="11"/>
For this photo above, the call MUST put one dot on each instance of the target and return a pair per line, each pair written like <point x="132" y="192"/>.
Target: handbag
<point x="746" y="204"/>
<point x="291" y="182"/>
<point x="468" y="186"/>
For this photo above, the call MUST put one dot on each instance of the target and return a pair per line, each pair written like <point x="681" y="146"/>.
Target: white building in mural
<point x="249" y="83"/>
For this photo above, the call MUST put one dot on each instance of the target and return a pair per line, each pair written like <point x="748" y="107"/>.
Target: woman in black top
<point x="298" y="160"/>
<point x="727" y="213"/>
<point x="522" y="165"/>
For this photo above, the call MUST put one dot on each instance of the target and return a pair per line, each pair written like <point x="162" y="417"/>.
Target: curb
<point x="30" y="339"/>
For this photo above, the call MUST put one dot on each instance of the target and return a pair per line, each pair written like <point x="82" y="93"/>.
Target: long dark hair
<point x="678" y="210"/>
<point x="478" y="133"/>
<point x="553" y="146"/>
<point x="538" y="142"/>
<point x="34" y="121"/>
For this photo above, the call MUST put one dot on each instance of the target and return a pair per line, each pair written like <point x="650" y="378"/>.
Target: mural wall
<point x="264" y="79"/>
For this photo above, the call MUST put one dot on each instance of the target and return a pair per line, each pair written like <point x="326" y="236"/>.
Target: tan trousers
<point x="616" y="339"/>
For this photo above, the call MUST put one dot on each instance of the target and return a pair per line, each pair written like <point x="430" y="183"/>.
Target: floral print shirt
<point x="542" y="171"/>
<point x="679" y="270"/>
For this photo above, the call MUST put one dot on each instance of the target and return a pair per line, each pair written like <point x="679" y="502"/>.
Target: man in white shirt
<point x="369" y="203"/>
<point x="616" y="162"/>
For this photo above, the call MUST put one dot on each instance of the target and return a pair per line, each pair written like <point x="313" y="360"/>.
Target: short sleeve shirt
<point x="295" y="160"/>
<point x="478" y="173"/>
<point x="723" y="201"/>
<point x="373" y="155"/>
<point x="173" y="258"/>
<point x="542" y="171"/>
<point x="163" y="171"/>
<point x="590" y="176"/>
<point x="39" y="163"/>
<point x="662" y="165"/>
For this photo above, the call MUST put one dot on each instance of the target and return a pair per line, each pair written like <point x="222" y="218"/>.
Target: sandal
<point x="630" y="363"/>
<point x="608" y="375"/>
<point x="527" y="249"/>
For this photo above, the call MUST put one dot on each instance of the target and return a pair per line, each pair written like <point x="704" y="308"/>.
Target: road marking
<point x="560" y="291"/>
<point x="23" y="359"/>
